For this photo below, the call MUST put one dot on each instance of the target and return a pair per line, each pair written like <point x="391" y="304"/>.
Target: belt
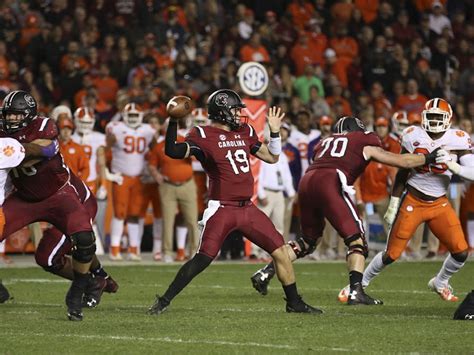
<point x="240" y="203"/>
<point x="420" y="195"/>
<point x="177" y="183"/>
<point x="272" y="190"/>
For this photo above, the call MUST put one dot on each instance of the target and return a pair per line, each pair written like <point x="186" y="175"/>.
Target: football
<point x="179" y="107"/>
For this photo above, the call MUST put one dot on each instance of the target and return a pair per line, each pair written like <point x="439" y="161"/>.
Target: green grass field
<point x="221" y="313"/>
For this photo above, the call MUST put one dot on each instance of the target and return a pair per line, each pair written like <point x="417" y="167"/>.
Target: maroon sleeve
<point x="47" y="129"/>
<point x="194" y="139"/>
<point x="372" y="139"/>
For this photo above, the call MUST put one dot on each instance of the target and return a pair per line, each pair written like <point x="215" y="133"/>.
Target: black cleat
<point x="74" y="298"/>
<point x="93" y="293"/>
<point x="300" y="306"/>
<point x="4" y="294"/>
<point x="357" y="296"/>
<point x="111" y="285"/>
<point x="161" y="304"/>
<point x="261" y="279"/>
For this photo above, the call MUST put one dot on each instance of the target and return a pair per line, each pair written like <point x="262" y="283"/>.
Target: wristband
<point x="274" y="134"/>
<point x="274" y="145"/>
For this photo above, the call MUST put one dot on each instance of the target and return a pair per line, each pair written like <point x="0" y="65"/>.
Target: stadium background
<point x="333" y="58"/>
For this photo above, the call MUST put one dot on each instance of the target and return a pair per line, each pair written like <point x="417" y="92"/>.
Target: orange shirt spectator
<point x="74" y="154"/>
<point x="411" y="103"/>
<point x="173" y="171"/>
<point x="426" y="5"/>
<point x="368" y="8"/>
<point x="107" y="86"/>
<point x="302" y="54"/>
<point x="79" y="62"/>
<point x="301" y="12"/>
<point x="341" y="12"/>
<point x="382" y="107"/>
<point x="374" y="182"/>
<point x="254" y="51"/>
<point x="318" y="42"/>
<point x="391" y="144"/>
<point x="345" y="47"/>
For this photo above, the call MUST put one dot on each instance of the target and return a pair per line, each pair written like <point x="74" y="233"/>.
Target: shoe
<point x="300" y="306"/>
<point x="446" y="292"/>
<point x="111" y="286"/>
<point x="74" y="298"/>
<point x="161" y="304"/>
<point x="116" y="257"/>
<point x="430" y="255"/>
<point x="261" y="279"/>
<point x="93" y="292"/>
<point x="343" y="295"/>
<point x="357" y="296"/>
<point x="134" y="257"/>
<point x="180" y="256"/>
<point x="4" y="294"/>
<point x="157" y="256"/>
<point x="168" y="259"/>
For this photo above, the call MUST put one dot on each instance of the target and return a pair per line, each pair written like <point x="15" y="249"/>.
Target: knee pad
<point x="360" y="247"/>
<point x="460" y="257"/>
<point x="84" y="246"/>
<point x="303" y="246"/>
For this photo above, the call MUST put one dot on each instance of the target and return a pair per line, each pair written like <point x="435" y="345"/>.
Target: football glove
<point x="443" y="157"/>
<point x="114" y="177"/>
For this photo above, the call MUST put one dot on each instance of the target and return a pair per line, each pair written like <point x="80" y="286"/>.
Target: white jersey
<point x="304" y="143"/>
<point x="12" y="154"/>
<point x="90" y="142"/>
<point x="433" y="180"/>
<point x="128" y="152"/>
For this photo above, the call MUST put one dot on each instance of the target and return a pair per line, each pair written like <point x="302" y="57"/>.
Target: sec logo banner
<point x="253" y="78"/>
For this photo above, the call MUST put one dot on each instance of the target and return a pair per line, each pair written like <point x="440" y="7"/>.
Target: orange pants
<point x="441" y="218"/>
<point x="152" y="195"/>
<point x="128" y="197"/>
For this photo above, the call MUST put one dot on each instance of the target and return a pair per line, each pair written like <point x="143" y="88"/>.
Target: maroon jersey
<point x="43" y="179"/>
<point x="344" y="152"/>
<point x="225" y="156"/>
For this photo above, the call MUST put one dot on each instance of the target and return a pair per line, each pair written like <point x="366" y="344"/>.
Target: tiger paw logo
<point x="8" y="151"/>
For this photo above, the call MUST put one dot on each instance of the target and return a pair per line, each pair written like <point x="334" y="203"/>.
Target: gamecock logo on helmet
<point x="29" y="100"/>
<point x="221" y="99"/>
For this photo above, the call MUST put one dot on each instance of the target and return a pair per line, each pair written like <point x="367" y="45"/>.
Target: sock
<point x="450" y="266"/>
<point x="470" y="233"/>
<point x="291" y="292"/>
<point x="141" y="225"/>
<point x="181" y="233"/>
<point x="133" y="231"/>
<point x="185" y="275"/>
<point x="116" y="231"/>
<point x="2" y="246"/>
<point x="355" y="278"/>
<point x="373" y="269"/>
<point x="157" y="231"/>
<point x="80" y="281"/>
<point x="99" y="271"/>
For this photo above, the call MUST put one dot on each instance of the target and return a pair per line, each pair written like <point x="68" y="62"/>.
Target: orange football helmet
<point x="414" y="119"/>
<point x="436" y="117"/>
<point x="199" y="117"/>
<point x="84" y="120"/>
<point x="132" y="115"/>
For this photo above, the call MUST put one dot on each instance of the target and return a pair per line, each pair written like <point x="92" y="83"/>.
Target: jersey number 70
<point x="339" y="146"/>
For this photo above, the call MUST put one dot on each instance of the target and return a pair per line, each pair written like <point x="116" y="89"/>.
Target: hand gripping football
<point x="179" y="107"/>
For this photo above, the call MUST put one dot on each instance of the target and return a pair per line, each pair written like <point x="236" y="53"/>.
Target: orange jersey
<point x="174" y="170"/>
<point x="75" y="158"/>
<point x="374" y="182"/>
<point x="391" y="144"/>
<point x="410" y="104"/>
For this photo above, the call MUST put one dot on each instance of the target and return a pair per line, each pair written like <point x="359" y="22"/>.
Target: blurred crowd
<point x="325" y="59"/>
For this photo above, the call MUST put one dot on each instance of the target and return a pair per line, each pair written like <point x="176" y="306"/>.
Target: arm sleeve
<point x="174" y="149"/>
<point x="12" y="153"/>
<point x="467" y="167"/>
<point x="48" y="129"/>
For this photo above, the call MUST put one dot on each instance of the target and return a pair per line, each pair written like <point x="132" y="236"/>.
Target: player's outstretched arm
<point x="174" y="149"/>
<point x="270" y="152"/>
<point x="405" y="161"/>
<point x="464" y="170"/>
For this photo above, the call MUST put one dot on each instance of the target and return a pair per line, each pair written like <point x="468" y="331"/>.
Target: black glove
<point x="431" y="157"/>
